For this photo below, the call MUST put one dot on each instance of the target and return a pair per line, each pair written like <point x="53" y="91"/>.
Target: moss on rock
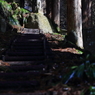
<point x="16" y="16"/>
<point x="37" y="20"/>
<point x="44" y="24"/>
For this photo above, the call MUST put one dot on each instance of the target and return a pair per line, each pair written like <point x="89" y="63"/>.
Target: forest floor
<point x="65" y="55"/>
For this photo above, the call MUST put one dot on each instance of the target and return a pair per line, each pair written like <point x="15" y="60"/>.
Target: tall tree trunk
<point x="74" y="17"/>
<point x="86" y="13"/>
<point x="56" y="12"/>
<point x="88" y="9"/>
<point x="49" y="8"/>
<point x="53" y="11"/>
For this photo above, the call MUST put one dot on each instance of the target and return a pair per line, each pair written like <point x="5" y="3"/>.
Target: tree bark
<point x="86" y="13"/>
<point x="74" y="19"/>
<point x="56" y="12"/>
<point x="49" y="8"/>
<point x="53" y="11"/>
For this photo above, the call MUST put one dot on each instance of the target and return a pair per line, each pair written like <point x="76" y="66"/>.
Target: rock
<point x="39" y="21"/>
<point x="3" y="25"/>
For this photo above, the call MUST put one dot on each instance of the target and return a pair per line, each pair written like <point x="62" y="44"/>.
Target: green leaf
<point x="93" y="71"/>
<point x="68" y="76"/>
<point x="22" y="10"/>
<point x="74" y="67"/>
<point x="89" y="72"/>
<point x="13" y="20"/>
<point x="92" y="89"/>
<point x="87" y="56"/>
<point x="79" y="51"/>
<point x="80" y="71"/>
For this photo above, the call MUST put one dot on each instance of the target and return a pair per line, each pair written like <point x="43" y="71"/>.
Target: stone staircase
<point x="27" y="56"/>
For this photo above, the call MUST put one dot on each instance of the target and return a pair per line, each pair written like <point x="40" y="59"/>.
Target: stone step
<point x="27" y="40"/>
<point x="29" y="49"/>
<point x="31" y="35"/>
<point x="27" y="37"/>
<point x="23" y="63"/>
<point x="27" y="57"/>
<point x="39" y="46"/>
<point x="31" y="31"/>
<point x="34" y="41"/>
<point x="12" y="53"/>
<point x="16" y="84"/>
<point x="22" y="58"/>
<point x="28" y="44"/>
<point x="25" y="53"/>
<point x="26" y="48"/>
<point x="23" y="68"/>
<point x="19" y="75"/>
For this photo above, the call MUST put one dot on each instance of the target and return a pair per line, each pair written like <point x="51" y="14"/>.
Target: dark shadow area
<point x="66" y="56"/>
<point x="89" y="39"/>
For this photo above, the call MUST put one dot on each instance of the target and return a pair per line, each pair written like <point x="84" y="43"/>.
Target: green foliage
<point x="61" y="31"/>
<point x="85" y="71"/>
<point x="5" y="8"/>
<point x="17" y="11"/>
<point x="18" y="14"/>
<point x="58" y="37"/>
<point x="20" y="11"/>
<point x="92" y="90"/>
<point x="88" y="91"/>
<point x="13" y="20"/>
<point x="23" y="11"/>
<point x="5" y="5"/>
<point x="79" y="51"/>
<point x="12" y="12"/>
<point x="58" y="29"/>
